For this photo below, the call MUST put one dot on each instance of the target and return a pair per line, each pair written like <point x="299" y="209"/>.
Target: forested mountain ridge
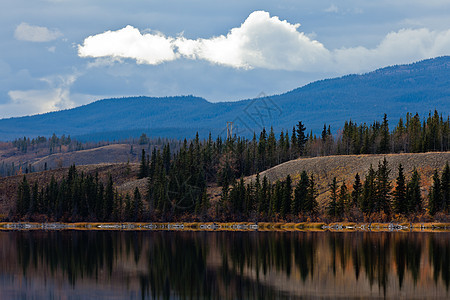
<point x="419" y="87"/>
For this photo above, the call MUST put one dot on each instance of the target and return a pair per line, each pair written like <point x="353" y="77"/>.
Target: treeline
<point x="410" y="135"/>
<point x="267" y="201"/>
<point x="53" y="144"/>
<point x="78" y="197"/>
<point x="375" y="198"/>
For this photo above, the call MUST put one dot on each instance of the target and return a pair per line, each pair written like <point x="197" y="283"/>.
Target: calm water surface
<point x="223" y="265"/>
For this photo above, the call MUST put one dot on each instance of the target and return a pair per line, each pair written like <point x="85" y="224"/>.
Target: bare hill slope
<point x="345" y="167"/>
<point x="115" y="153"/>
<point x="124" y="177"/>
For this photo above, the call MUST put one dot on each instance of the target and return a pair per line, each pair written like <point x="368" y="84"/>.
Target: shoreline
<point x="231" y="226"/>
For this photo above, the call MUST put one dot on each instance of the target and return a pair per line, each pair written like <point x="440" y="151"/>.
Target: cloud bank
<point x="267" y="42"/>
<point x="31" y="33"/>
<point x="129" y="43"/>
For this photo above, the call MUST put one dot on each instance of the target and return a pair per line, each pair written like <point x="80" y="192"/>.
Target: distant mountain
<point x="418" y="87"/>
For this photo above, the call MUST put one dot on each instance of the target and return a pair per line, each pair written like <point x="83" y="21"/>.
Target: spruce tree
<point x="383" y="188"/>
<point x="277" y="198"/>
<point x="300" y="193"/>
<point x="400" y="204"/>
<point x="129" y="212"/>
<point x="287" y="196"/>
<point x="324" y="133"/>
<point x="294" y="151"/>
<point x="23" y="197"/>
<point x="445" y="186"/>
<point x="343" y="199"/>
<point x="143" y="167"/>
<point x="34" y="199"/>
<point x="413" y="194"/>
<point x="435" y="195"/>
<point x="301" y="138"/>
<point x="108" y="200"/>
<point x="264" y="197"/>
<point x="357" y="191"/>
<point x="138" y="206"/>
<point x="271" y="149"/>
<point x="332" y="205"/>
<point x="205" y="202"/>
<point x="384" y="143"/>
<point x="311" y="197"/>
<point x="369" y="192"/>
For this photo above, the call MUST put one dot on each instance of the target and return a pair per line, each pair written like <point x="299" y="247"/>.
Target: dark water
<point x="223" y="265"/>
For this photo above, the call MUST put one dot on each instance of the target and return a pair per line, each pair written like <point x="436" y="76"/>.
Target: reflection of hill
<point x="225" y="265"/>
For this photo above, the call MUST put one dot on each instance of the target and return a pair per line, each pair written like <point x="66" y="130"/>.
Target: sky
<point x="59" y="54"/>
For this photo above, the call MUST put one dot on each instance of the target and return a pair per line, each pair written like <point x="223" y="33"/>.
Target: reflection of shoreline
<point x="228" y="265"/>
<point x="237" y="226"/>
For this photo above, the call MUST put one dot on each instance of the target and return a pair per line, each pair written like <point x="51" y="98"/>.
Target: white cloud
<point x="267" y="42"/>
<point x="260" y="42"/>
<point x="31" y="33"/>
<point x="129" y="43"/>
<point x="332" y="9"/>
<point x="404" y="46"/>
<point x="27" y="102"/>
<point x="36" y="101"/>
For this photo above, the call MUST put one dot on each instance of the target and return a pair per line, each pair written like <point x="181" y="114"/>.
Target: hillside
<point x="124" y="176"/>
<point x="345" y="167"/>
<point x="40" y="159"/>
<point x="116" y="153"/>
<point x="324" y="169"/>
<point x="395" y="90"/>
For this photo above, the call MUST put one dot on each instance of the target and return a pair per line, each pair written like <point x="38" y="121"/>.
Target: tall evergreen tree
<point x="384" y="143"/>
<point x="138" y="205"/>
<point x="264" y="196"/>
<point x="287" y="196"/>
<point x="383" y="188"/>
<point x="400" y="204"/>
<point x="413" y="194"/>
<point x="300" y="194"/>
<point x="343" y="199"/>
<point x="332" y="205"/>
<point x="445" y="186"/>
<point x="294" y="142"/>
<point x="369" y="192"/>
<point x="301" y="138"/>
<point x="357" y="191"/>
<point x="143" y="167"/>
<point x="311" y="204"/>
<point x="435" y="195"/>
<point x="23" y="197"/>
<point x="108" y="199"/>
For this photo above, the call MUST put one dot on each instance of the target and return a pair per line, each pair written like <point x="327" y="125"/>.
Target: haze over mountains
<point x="419" y="87"/>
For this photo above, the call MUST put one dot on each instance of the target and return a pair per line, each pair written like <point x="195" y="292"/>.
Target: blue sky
<point x="57" y="54"/>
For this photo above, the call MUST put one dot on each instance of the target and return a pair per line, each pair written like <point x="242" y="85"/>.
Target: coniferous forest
<point x="178" y="179"/>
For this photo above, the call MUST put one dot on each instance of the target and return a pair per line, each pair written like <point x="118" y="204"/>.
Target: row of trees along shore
<point x="80" y="197"/>
<point x="177" y="180"/>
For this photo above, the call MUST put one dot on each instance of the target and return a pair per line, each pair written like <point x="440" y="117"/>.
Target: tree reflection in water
<point x="227" y="265"/>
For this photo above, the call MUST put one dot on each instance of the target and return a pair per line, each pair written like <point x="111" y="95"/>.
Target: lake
<point x="223" y="265"/>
